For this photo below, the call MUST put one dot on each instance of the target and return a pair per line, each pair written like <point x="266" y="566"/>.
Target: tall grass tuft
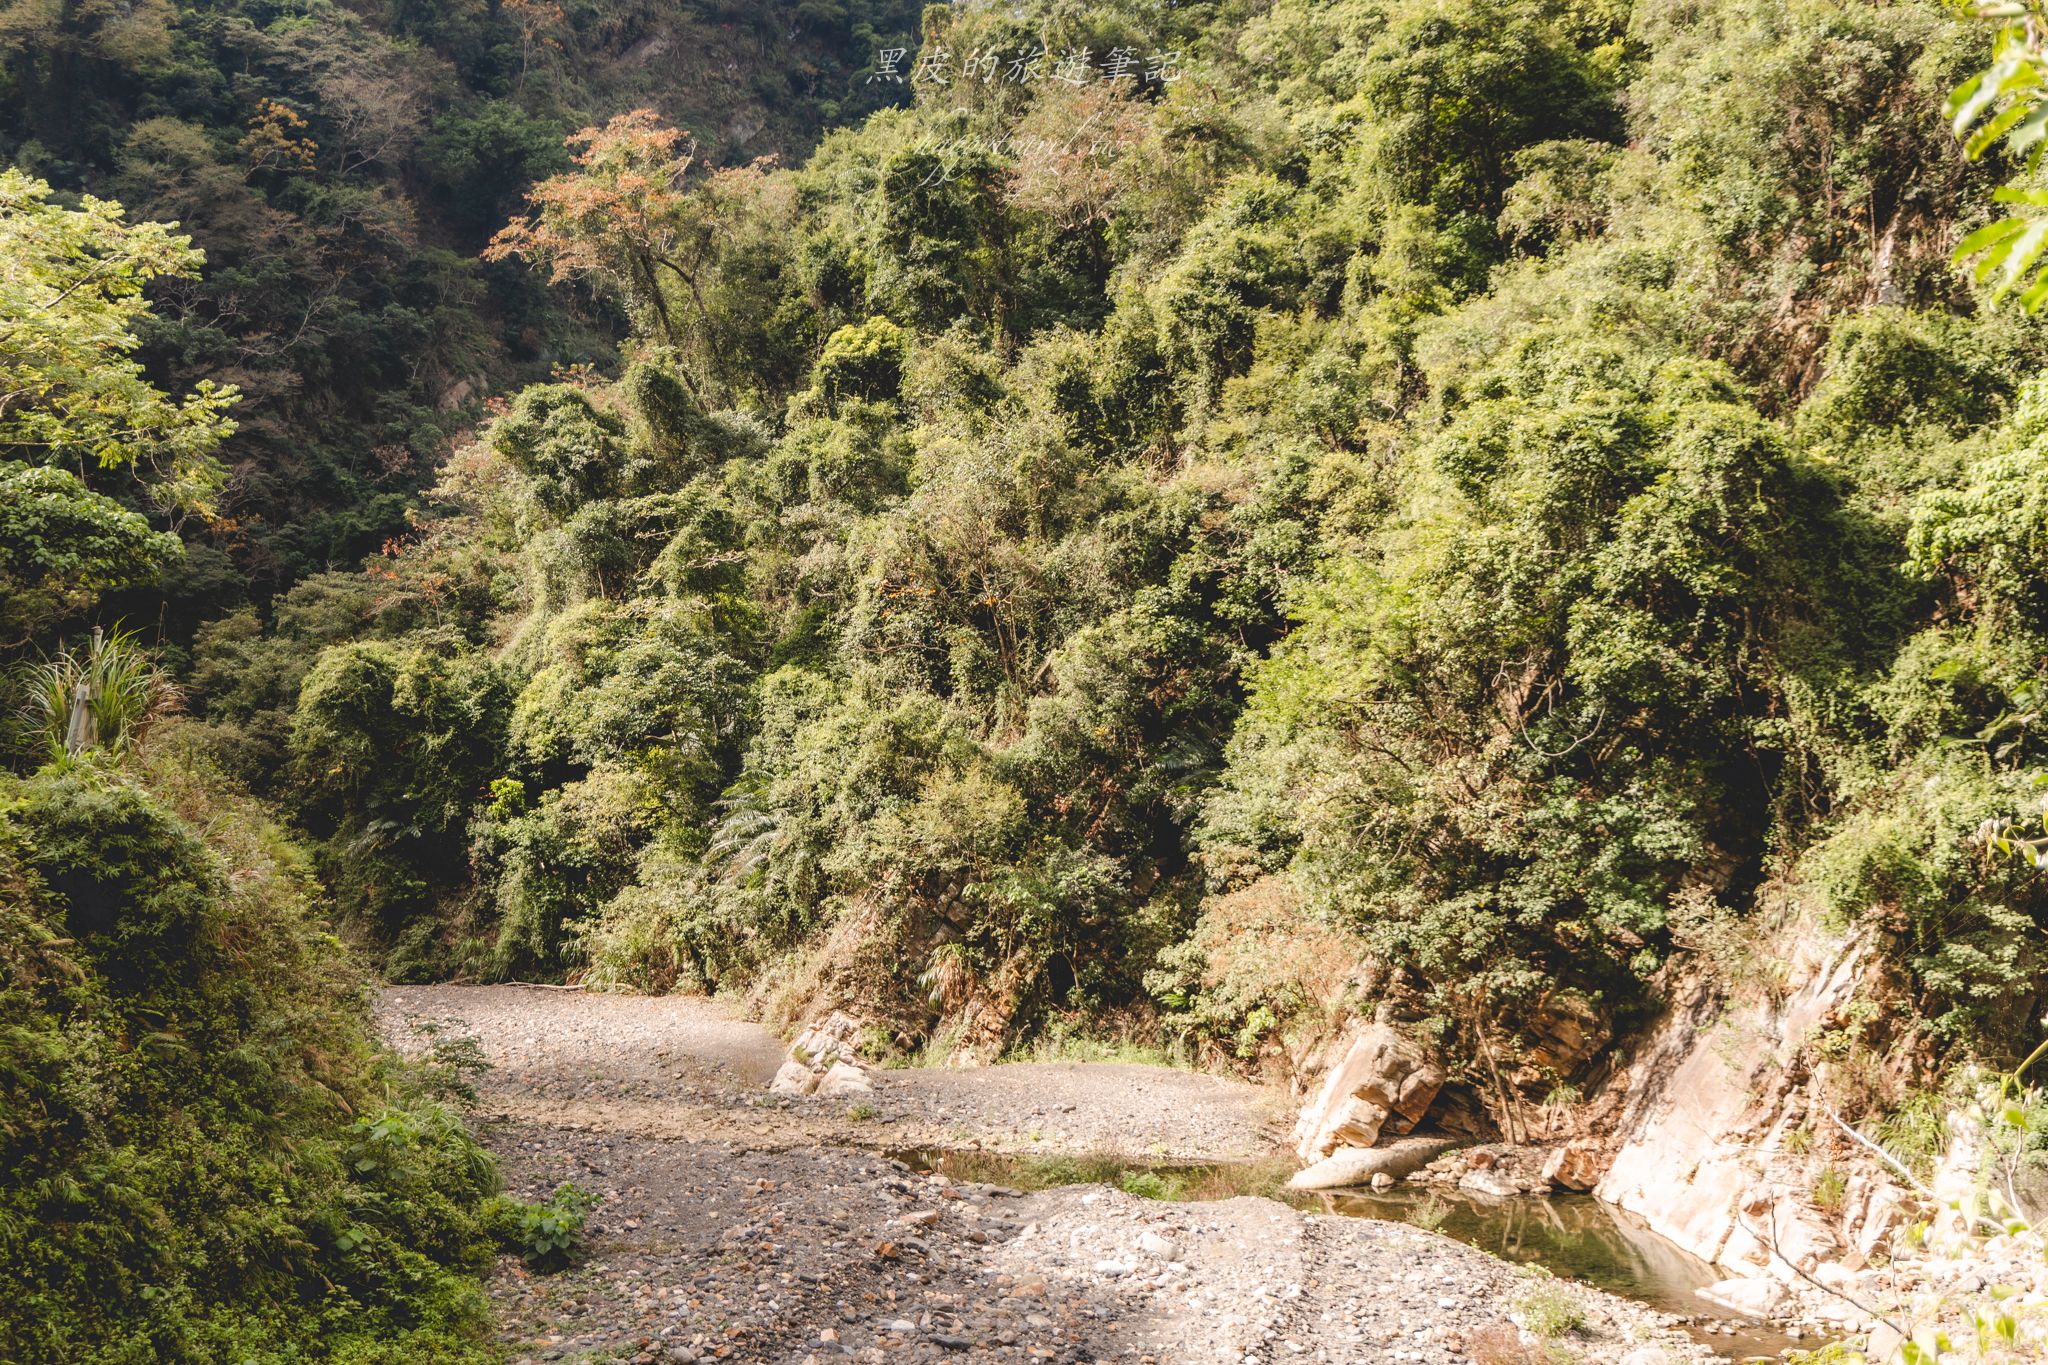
<point x="127" y="691"/>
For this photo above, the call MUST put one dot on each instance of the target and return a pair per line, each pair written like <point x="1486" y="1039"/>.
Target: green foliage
<point x="948" y="636"/>
<point x="1487" y="491"/>
<point x="203" y="1158"/>
<point x="1549" y="1310"/>
<point x="73" y="300"/>
<point x="125" y="692"/>
<point x="390" y="746"/>
<point x="560" y="862"/>
<point x="62" y="545"/>
<point x="340" y="172"/>
<point x="861" y="362"/>
<point x="1253" y="965"/>
<point x="571" y="452"/>
<point x="1514" y="722"/>
<point x="548" y="1235"/>
<point x="1991" y="528"/>
<point x="2001" y="108"/>
<point x="1449" y="95"/>
<point x="1830" y="1189"/>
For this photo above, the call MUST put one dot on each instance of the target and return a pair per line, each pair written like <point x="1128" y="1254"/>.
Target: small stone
<point x="1883" y="1344"/>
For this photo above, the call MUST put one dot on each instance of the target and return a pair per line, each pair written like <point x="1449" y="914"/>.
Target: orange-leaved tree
<point x="629" y="220"/>
<point x="622" y="218"/>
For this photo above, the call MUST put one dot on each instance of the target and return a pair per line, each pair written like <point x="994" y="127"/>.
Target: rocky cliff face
<point x="1723" y="1143"/>
<point x="1711" y="1126"/>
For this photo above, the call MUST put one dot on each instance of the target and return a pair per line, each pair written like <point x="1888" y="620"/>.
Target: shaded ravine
<point x="739" y="1226"/>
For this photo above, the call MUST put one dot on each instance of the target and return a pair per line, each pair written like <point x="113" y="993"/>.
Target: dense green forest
<point x="1152" y="523"/>
<point x="342" y="166"/>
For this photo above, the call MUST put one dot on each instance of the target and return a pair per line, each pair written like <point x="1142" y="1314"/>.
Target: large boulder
<point x="843" y="1079"/>
<point x="794" y="1078"/>
<point x="1489" y="1183"/>
<point x="1384" y="1082"/>
<point x="1578" y="1166"/>
<point x="822" y="1061"/>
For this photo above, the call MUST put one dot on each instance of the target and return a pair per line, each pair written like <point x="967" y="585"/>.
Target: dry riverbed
<point x="736" y="1227"/>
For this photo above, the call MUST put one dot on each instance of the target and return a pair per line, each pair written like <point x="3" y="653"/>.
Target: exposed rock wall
<point x="1714" y="1143"/>
<point x="1709" y="1125"/>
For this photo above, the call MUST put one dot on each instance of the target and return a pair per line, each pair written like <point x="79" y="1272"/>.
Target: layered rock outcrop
<point x="1711" y="1126"/>
<point x="1383" y="1083"/>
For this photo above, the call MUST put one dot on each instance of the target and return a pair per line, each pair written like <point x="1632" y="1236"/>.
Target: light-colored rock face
<point x="1705" y="1151"/>
<point x="1383" y="1083"/>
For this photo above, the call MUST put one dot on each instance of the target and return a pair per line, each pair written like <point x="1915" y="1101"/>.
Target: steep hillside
<point x="1172" y="530"/>
<point x="1211" y="520"/>
<point x="342" y="166"/>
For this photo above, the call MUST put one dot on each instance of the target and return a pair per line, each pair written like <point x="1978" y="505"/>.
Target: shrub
<point x="548" y="1234"/>
<point x="202" y="1157"/>
<point x="1830" y="1189"/>
<point x="391" y="746"/>
<point x="863" y="362"/>
<point x="1549" y="1310"/>
<point x="126" y="690"/>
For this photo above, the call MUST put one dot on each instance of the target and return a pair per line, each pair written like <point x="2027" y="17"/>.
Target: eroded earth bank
<point x="740" y="1226"/>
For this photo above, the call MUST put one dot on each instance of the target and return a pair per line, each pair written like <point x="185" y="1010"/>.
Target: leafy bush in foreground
<point x="201" y="1157"/>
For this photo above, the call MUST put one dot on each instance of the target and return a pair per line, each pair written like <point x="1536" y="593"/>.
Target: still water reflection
<point x="1574" y="1236"/>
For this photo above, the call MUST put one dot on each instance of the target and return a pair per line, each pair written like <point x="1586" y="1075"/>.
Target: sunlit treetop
<point x="72" y="289"/>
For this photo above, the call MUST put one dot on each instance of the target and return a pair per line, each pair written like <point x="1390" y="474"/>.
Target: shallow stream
<point x="1574" y="1236"/>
